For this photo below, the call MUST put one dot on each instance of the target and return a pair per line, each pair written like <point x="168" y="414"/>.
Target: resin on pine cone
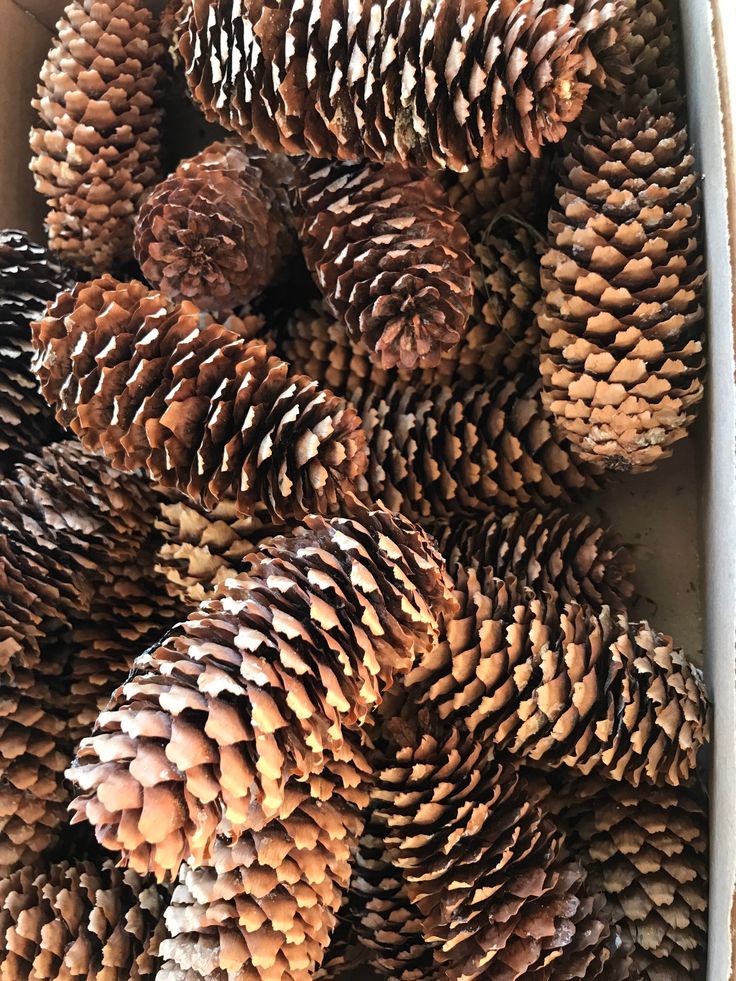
<point x="96" y="146"/>
<point x="390" y="256"/>
<point x="622" y="359"/>
<point x="427" y="84"/>
<point x="303" y="644"/>
<point x="218" y="229"/>
<point x="160" y="386"/>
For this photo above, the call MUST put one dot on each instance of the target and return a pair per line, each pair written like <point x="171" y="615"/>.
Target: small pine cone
<point x="622" y="359"/>
<point x="78" y="920"/>
<point x="648" y="854"/>
<point x="563" y="554"/>
<point x="192" y="402"/>
<point x="95" y="150"/>
<point x="568" y="687"/>
<point x="425" y="84"/>
<point x="303" y="642"/>
<point x="29" y="277"/>
<point x="266" y="904"/>
<point x="218" y="229"/>
<point x="484" y="866"/>
<point x="390" y="256"/>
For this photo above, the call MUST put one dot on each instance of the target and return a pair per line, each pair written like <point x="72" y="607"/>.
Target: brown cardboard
<point x="46" y="12"/>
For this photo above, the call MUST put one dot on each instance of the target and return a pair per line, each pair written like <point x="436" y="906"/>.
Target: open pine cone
<point x="622" y="360"/>
<point x="96" y="147"/>
<point x="434" y="85"/>
<point x="192" y="402"/>
<point x="218" y="229"/>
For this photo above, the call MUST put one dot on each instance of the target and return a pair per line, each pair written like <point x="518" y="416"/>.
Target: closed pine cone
<point x="428" y="84"/>
<point x="29" y="277"/>
<point x="648" y="854"/>
<point x="390" y="256"/>
<point x="304" y="642"/>
<point x="566" y="686"/>
<point x="78" y="920"/>
<point x="622" y="360"/>
<point x="192" y="402"/>
<point x="217" y="230"/>
<point x="96" y="146"/>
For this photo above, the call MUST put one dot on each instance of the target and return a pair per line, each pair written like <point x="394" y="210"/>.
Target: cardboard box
<point x="682" y="518"/>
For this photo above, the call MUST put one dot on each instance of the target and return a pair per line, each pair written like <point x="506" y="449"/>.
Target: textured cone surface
<point x="566" y="555"/>
<point x="96" y="146"/>
<point x="484" y="866"/>
<point x="390" y="256"/>
<point x="648" y="854"/>
<point x="652" y="45"/>
<point x="565" y="686"/>
<point x="263" y="685"/>
<point x="622" y="359"/>
<point x="173" y="25"/>
<point x="29" y="277"/>
<point x="160" y="386"/>
<point x="218" y="229"/>
<point x="419" y="83"/>
<point x="71" y="920"/>
<point x="341" y="957"/>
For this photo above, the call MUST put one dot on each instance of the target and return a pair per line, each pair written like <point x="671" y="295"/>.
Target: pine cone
<point x="648" y="855"/>
<point x="622" y="361"/>
<point x="95" y="150"/>
<point x="652" y="44"/>
<point x="303" y="643"/>
<point x="29" y="276"/>
<point x="566" y="555"/>
<point x="420" y="83"/>
<point x="567" y="687"/>
<point x="218" y="229"/>
<point x="390" y="256"/>
<point x="73" y="919"/>
<point x="192" y="402"/>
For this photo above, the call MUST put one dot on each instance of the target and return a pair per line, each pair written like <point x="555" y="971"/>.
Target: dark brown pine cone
<point x="96" y="146"/>
<point x="29" y="277"/>
<point x="427" y="84"/>
<point x="77" y="920"/>
<point x="218" y="229"/>
<point x="303" y="643"/>
<point x="194" y="403"/>
<point x="390" y="256"/>
<point x="622" y="360"/>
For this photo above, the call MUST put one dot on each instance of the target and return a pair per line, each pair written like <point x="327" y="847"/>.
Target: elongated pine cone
<point x="486" y="869"/>
<point x="648" y="854"/>
<point x="562" y="554"/>
<point x="96" y="147"/>
<point x="390" y="256"/>
<point x="303" y="644"/>
<point x="622" y="361"/>
<point x="77" y="920"/>
<point x="427" y="84"/>
<point x="218" y="229"/>
<point x="568" y="686"/>
<point x="29" y="277"/>
<point x="161" y="387"/>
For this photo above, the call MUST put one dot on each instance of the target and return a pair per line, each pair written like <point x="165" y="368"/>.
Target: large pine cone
<point x="29" y="277"/>
<point x="303" y="643"/>
<point x="648" y="854"/>
<point x="95" y="150"/>
<point x="76" y="920"/>
<point x="390" y="256"/>
<point x="218" y="229"/>
<point x="622" y="361"/>
<point x="431" y="84"/>
<point x="160" y="386"/>
<point x="565" y="687"/>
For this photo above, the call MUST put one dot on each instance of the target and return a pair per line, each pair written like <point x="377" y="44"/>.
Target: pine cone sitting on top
<point x="390" y="256"/>
<point x="218" y="229"/>
<point x="160" y="386"/>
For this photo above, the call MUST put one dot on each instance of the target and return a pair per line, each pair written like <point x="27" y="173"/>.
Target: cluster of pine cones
<point x="300" y="618"/>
